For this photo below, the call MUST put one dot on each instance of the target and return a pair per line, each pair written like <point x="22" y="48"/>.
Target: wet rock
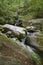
<point x="17" y="31"/>
<point x="10" y="34"/>
<point x="27" y="40"/>
<point x="31" y="29"/>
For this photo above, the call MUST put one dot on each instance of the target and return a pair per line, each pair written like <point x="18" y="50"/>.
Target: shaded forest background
<point x="25" y="9"/>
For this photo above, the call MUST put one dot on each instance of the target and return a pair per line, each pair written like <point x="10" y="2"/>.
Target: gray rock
<point x="17" y="31"/>
<point x="31" y="28"/>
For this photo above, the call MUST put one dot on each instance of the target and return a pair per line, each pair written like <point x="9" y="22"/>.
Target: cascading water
<point x="32" y="43"/>
<point x="17" y="21"/>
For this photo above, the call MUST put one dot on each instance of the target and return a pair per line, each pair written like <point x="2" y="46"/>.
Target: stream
<point x="33" y="44"/>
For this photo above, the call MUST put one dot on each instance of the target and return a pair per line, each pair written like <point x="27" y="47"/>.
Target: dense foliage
<point x="8" y="8"/>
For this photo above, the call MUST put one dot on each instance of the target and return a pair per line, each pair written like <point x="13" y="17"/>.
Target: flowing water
<point x="17" y="21"/>
<point x="32" y="45"/>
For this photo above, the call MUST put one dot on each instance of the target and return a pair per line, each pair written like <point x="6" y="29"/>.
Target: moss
<point x="21" y="36"/>
<point x="1" y="43"/>
<point x="39" y="39"/>
<point x="34" y="56"/>
<point x="27" y="40"/>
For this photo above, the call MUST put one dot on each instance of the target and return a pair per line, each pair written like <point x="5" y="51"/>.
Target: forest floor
<point x="15" y="54"/>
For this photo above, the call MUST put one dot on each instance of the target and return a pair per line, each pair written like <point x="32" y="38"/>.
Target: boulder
<point x="31" y="29"/>
<point x="17" y="31"/>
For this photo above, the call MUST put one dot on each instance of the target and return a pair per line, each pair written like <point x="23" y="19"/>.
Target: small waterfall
<point x="23" y="40"/>
<point x="17" y="21"/>
<point x="17" y="18"/>
<point x="33" y="45"/>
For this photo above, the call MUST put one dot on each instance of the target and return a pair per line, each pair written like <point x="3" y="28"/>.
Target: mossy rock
<point x="18" y="32"/>
<point x="27" y="40"/>
<point x="21" y="36"/>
